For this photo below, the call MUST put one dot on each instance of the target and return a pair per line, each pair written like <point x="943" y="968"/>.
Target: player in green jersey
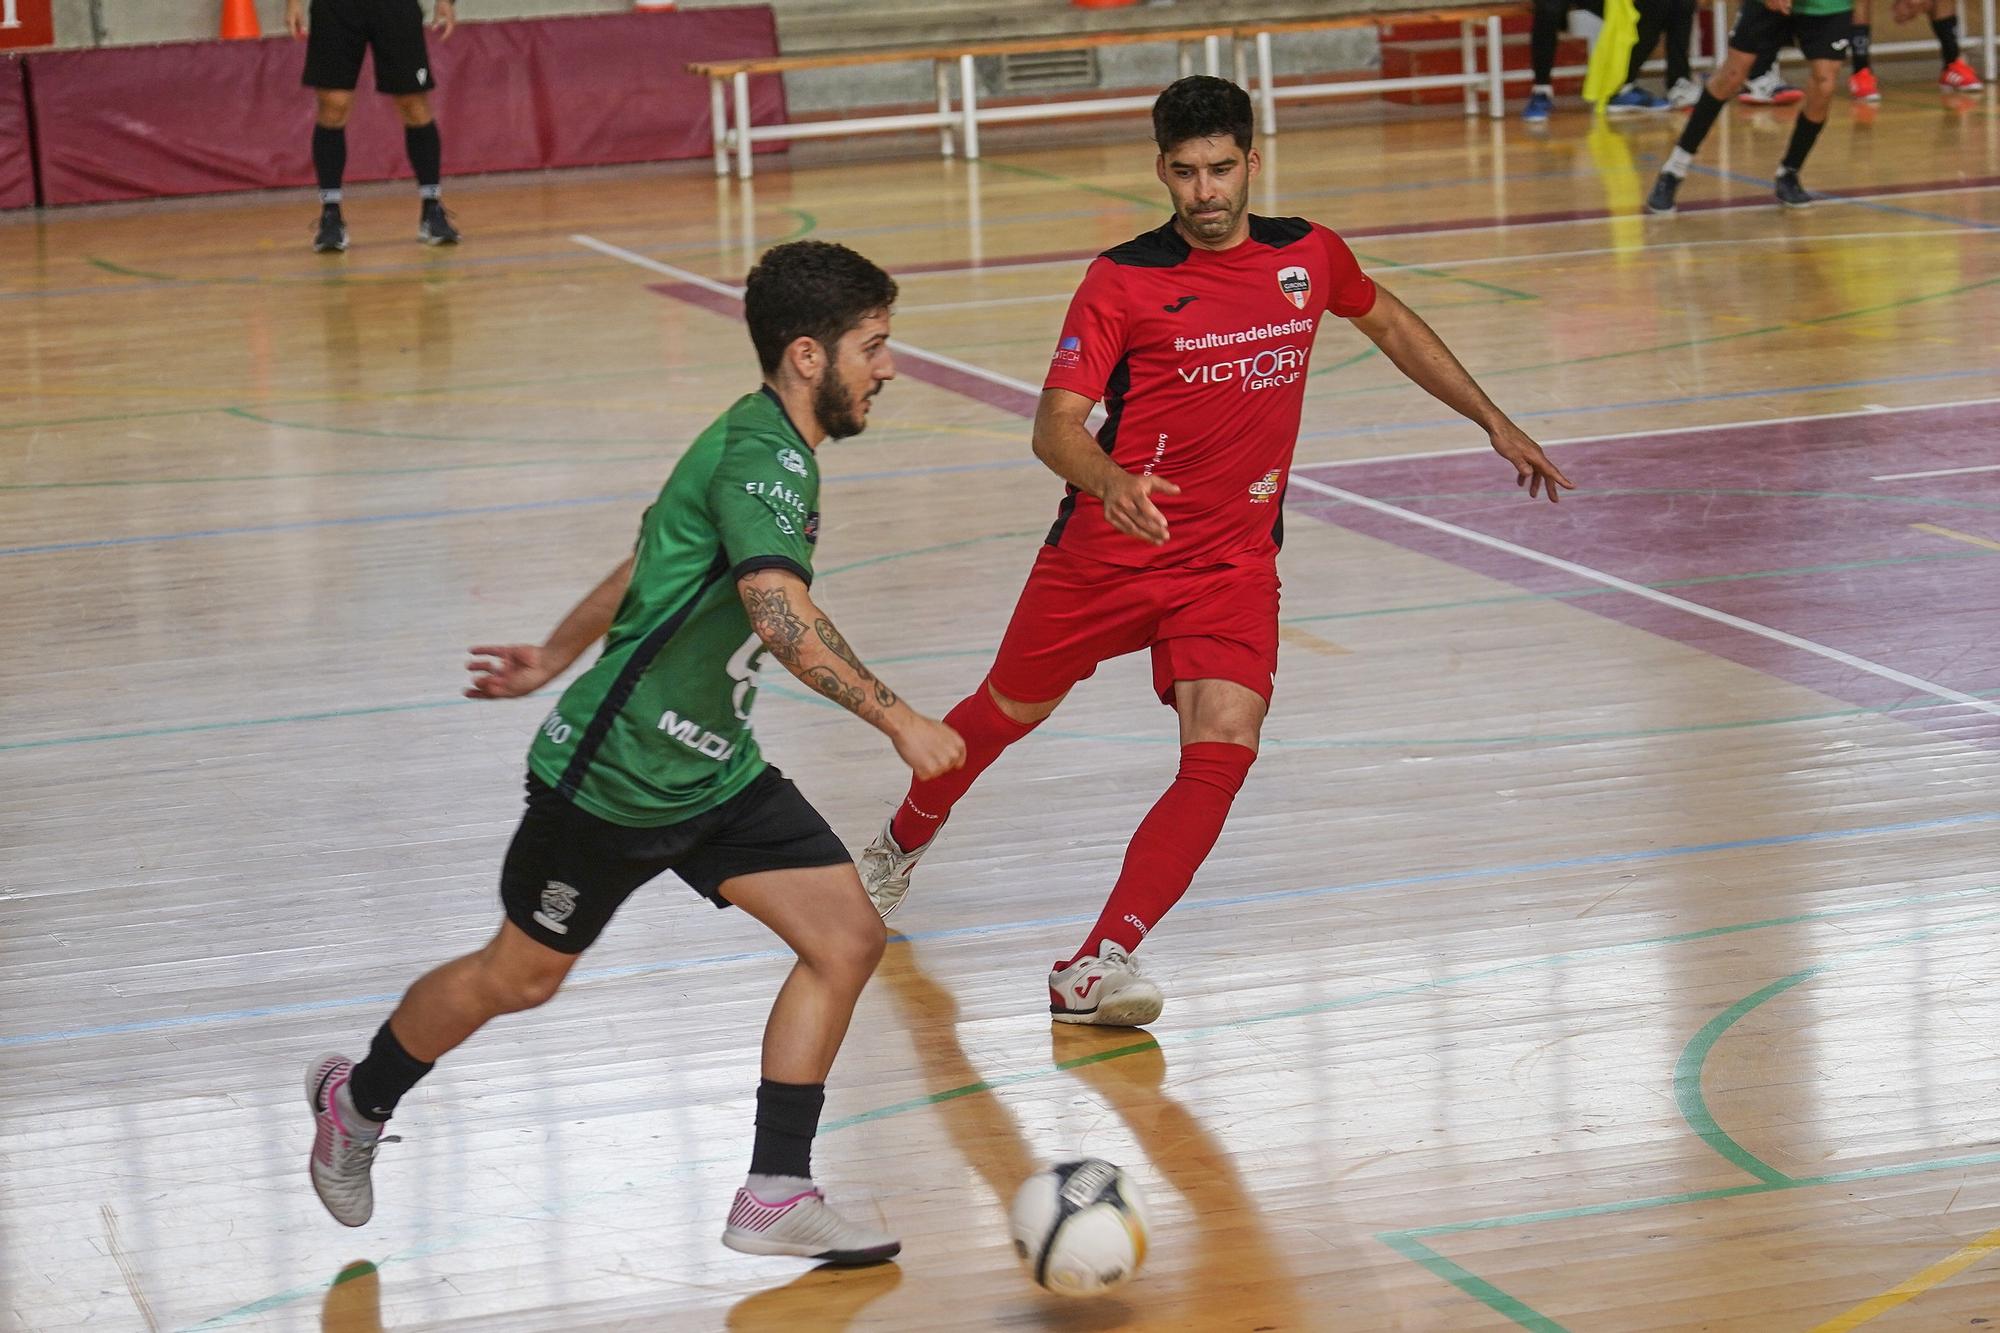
<point x="1824" y="31"/>
<point x="648" y="764"/>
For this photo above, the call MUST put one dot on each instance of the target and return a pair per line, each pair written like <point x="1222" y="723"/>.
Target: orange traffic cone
<point x="239" y="19"/>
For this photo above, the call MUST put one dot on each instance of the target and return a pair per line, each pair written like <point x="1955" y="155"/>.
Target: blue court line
<point x="1475" y="874"/>
<point x="1973" y="224"/>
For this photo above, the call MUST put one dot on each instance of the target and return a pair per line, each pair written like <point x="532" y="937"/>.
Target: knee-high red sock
<point x="1173" y="840"/>
<point x="987" y="731"/>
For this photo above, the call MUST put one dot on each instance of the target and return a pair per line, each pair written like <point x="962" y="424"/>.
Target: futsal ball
<point x="1080" y="1227"/>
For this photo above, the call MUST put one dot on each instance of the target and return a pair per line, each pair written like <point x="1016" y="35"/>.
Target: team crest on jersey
<point x="791" y="460"/>
<point x="1296" y="284"/>
<point x="1069" y="352"/>
<point x="1262" y="489"/>
<point x="812" y="528"/>
<point x="558" y="901"/>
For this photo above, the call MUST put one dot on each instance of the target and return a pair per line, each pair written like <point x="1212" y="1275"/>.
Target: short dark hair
<point x="1202" y="106"/>
<point x="810" y="289"/>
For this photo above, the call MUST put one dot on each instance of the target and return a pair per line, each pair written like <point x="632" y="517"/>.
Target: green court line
<point x="247" y="415"/>
<point x="1694" y="1110"/>
<point x="334" y="472"/>
<point x="268" y="1303"/>
<point x="1707" y="341"/>
<point x="1687" y="1081"/>
<point x="1160" y="205"/>
<point x="1471" y="1283"/>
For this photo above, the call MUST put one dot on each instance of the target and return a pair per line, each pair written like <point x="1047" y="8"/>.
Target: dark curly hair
<point x="810" y="289"/>
<point x="1202" y="106"/>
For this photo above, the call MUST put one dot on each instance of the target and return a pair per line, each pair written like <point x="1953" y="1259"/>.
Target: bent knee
<point x="514" y="990"/>
<point x="852" y="943"/>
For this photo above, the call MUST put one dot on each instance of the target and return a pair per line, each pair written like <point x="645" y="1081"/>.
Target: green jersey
<point x="658" y="730"/>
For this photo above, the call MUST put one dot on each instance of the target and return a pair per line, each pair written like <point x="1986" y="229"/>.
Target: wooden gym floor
<point x="1602" y="943"/>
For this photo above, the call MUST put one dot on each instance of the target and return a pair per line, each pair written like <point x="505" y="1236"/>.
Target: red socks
<point x="1173" y="840"/>
<point x="987" y="731"/>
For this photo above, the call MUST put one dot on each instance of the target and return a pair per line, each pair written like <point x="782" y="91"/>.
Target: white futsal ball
<point x="1080" y="1227"/>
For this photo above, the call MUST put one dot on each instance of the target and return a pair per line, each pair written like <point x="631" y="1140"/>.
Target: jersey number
<point x="745" y="664"/>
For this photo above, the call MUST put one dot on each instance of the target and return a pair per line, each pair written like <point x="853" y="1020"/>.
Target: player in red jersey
<point x="1196" y="337"/>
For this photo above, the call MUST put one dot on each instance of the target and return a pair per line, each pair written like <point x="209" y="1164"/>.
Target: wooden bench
<point x="729" y="80"/>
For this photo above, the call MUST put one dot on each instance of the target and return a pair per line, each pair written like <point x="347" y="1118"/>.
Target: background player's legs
<point x="1543" y="34"/>
<point x="426" y="152"/>
<point x="1957" y="76"/>
<point x="1861" y="84"/>
<point x="825" y="918"/>
<point x="1821" y="79"/>
<point x="329" y="153"/>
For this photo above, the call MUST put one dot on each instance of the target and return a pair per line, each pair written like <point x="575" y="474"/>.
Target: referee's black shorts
<point x="339" y="32"/>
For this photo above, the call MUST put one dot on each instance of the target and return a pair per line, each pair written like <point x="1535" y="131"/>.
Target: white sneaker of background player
<point x="806" y="1226"/>
<point x="885" y="869"/>
<point x="1764" y="88"/>
<point x="1684" y="93"/>
<point x="1104" y="988"/>
<point x="344" y="1142"/>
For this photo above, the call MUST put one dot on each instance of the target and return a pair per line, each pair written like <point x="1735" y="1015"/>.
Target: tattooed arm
<point x="798" y="634"/>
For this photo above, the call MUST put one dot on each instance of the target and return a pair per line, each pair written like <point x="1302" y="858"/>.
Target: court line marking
<point x="1952" y="405"/>
<point x="1640" y="590"/>
<point x="736" y="294"/>
<point x="1955" y="535"/>
<point x="1937" y="472"/>
<point x="1416" y="1234"/>
<point x="1913" y="1286"/>
<point x="1474" y="874"/>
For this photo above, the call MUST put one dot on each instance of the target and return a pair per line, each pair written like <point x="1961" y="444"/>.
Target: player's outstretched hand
<point x="930" y="747"/>
<point x="445" y="18"/>
<point x="295" y="17"/>
<point x="1129" y="507"/>
<point x="1532" y="467"/>
<point x="506" y="671"/>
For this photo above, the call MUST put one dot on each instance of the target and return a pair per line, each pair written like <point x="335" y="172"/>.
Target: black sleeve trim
<point x="784" y="562"/>
<point x="1278" y="232"/>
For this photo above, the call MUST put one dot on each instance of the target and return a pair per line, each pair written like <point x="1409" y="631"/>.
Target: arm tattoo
<point x="836" y="643"/>
<point x="772" y="617"/>
<point x="827" y="682"/>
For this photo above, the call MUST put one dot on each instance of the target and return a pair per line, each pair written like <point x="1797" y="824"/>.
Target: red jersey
<point x="1199" y="357"/>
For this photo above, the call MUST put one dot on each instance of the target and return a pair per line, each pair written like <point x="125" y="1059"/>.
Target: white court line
<point x="1916" y="683"/>
<point x="1671" y="430"/>
<point x="1939" y="472"/>
<point x="1034" y="391"/>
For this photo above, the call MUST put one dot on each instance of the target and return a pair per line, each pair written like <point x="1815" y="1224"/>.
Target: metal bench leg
<point x="1211" y="56"/>
<point x="1264" y="91"/>
<point x="943" y="73"/>
<point x="742" y="125"/>
<point x="718" y="122"/>
<point x="1468" y="65"/>
<point x="968" y="97"/>
<point x="1496" y="84"/>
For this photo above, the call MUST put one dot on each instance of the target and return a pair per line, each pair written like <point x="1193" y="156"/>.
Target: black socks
<point x="329" y="161"/>
<point x="787" y="1120"/>
<point x="381" y="1079"/>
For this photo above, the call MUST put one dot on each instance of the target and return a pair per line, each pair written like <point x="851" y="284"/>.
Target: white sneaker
<point x="1104" y="988"/>
<point x="344" y="1142"/>
<point x="805" y="1226"/>
<point x="885" y="869"/>
<point x="1684" y="94"/>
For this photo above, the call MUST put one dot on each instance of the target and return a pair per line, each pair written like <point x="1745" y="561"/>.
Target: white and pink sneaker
<point x="806" y="1227"/>
<point x="344" y="1143"/>
<point x="1103" y="988"/>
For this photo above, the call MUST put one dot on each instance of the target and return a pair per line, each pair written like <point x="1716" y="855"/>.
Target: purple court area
<point x="1783" y="524"/>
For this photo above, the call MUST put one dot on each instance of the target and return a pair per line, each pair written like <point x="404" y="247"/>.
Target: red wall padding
<point x="17" y="178"/>
<point x="196" y="117"/>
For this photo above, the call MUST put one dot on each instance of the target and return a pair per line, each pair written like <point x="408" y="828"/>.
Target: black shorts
<point x="567" y="870"/>
<point x="338" y="32"/>
<point x="1818" y="36"/>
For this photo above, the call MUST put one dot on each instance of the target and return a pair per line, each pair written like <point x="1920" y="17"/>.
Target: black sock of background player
<point x="426" y="152"/>
<point x="329" y="161"/>
<point x="1804" y="132"/>
<point x="787" y="1119"/>
<point x="1803" y="135"/>
<point x="1700" y="121"/>
<point x="1947" y="35"/>
<point x="1859" y="51"/>
<point x="381" y="1079"/>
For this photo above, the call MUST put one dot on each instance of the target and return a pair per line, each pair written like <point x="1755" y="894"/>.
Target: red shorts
<point x="1211" y="622"/>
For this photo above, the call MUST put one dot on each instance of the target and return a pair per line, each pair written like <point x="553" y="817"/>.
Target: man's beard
<point x="1213" y="228"/>
<point x="839" y="411"/>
